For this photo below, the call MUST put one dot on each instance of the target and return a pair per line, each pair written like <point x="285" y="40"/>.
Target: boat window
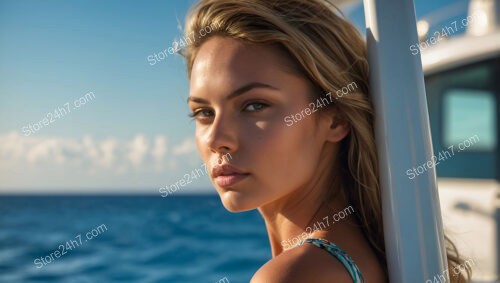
<point x="470" y="115"/>
<point x="463" y="110"/>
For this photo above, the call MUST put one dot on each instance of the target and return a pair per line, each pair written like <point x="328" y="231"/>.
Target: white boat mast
<point x="412" y="218"/>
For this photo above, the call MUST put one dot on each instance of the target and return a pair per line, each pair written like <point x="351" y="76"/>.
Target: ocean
<point x="128" y="239"/>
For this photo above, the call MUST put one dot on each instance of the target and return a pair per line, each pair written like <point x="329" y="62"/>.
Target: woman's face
<point x="240" y="95"/>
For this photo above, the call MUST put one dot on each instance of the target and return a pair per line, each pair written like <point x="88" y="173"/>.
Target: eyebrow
<point x="244" y="89"/>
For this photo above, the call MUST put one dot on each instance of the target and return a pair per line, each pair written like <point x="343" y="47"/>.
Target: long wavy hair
<point x="329" y="52"/>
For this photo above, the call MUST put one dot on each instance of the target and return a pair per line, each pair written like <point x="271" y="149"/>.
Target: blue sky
<point x="134" y="134"/>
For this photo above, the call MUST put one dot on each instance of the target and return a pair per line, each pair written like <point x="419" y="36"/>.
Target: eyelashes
<point x="262" y="104"/>
<point x="196" y="113"/>
<point x="207" y="113"/>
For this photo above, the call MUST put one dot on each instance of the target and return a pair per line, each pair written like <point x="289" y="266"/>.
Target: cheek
<point x="287" y="156"/>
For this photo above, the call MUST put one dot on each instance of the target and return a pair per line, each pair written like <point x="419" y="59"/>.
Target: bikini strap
<point x="338" y="253"/>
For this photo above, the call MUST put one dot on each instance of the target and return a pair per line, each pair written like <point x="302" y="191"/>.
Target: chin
<point x="236" y="201"/>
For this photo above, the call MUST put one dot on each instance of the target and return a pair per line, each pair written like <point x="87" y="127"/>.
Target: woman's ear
<point x="339" y="128"/>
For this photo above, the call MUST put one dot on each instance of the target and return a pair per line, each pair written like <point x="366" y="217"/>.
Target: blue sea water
<point x="145" y="239"/>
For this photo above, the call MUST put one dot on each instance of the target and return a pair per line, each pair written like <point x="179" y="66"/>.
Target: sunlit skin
<point x="239" y="96"/>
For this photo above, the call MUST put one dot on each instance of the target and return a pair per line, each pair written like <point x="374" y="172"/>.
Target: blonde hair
<point x="330" y="53"/>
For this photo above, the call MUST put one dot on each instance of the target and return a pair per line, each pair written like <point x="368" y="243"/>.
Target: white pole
<point x="412" y="217"/>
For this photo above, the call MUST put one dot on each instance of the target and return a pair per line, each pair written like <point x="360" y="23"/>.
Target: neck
<point x="302" y="214"/>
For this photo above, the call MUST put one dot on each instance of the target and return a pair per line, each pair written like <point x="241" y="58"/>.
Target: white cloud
<point x="110" y="153"/>
<point x="108" y="149"/>
<point x="186" y="147"/>
<point x="54" y="161"/>
<point x="40" y="151"/>
<point x="159" y="151"/>
<point x="137" y="150"/>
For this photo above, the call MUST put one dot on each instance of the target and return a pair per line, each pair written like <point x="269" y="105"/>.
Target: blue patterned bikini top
<point x="338" y="253"/>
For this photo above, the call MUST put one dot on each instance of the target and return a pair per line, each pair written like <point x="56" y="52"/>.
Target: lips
<point x="227" y="175"/>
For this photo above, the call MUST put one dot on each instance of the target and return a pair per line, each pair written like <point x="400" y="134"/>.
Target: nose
<point x="222" y="136"/>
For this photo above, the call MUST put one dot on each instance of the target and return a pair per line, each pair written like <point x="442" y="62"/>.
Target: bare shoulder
<point x="302" y="264"/>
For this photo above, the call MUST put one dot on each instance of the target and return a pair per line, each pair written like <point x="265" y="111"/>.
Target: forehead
<point x="231" y="62"/>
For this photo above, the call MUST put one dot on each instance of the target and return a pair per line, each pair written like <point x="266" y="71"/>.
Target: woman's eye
<point x="207" y="114"/>
<point x="255" y="106"/>
<point x="201" y="114"/>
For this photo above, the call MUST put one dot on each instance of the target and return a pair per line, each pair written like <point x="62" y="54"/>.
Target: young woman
<point x="281" y="86"/>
